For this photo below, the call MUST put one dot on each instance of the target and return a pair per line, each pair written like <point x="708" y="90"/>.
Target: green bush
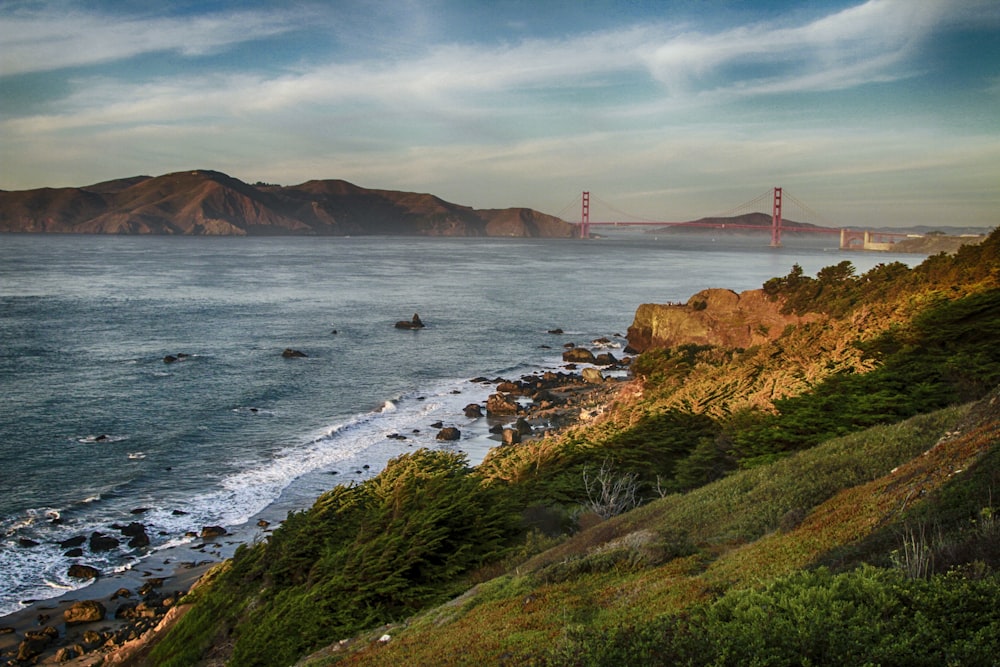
<point x="363" y="555"/>
<point x="867" y="616"/>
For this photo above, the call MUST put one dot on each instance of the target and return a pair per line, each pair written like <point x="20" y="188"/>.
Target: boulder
<point x="77" y="541"/>
<point x="102" y="542"/>
<point x="84" y="611"/>
<point x="210" y="532"/>
<point x="605" y="359"/>
<point x="75" y="552"/>
<point x="137" y="532"/>
<point x="65" y="654"/>
<point x="32" y="645"/>
<point x="509" y="387"/>
<point x="522" y="426"/>
<point x="498" y="404"/>
<point x="473" y="410"/>
<point x="579" y="355"/>
<point x="449" y="433"/>
<point x="592" y="375"/>
<point x="289" y="353"/>
<point x="510" y="436"/>
<point x="415" y="323"/>
<point x="26" y="543"/>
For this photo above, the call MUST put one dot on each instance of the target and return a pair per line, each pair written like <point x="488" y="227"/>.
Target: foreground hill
<point x="206" y="202"/>
<point x="822" y="495"/>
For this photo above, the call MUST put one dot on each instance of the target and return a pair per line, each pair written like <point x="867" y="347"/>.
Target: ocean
<point x="97" y="429"/>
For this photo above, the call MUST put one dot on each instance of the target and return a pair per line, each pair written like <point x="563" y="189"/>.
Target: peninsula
<point x="209" y="203"/>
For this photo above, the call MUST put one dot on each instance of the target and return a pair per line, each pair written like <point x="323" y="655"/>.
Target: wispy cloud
<point x="55" y="38"/>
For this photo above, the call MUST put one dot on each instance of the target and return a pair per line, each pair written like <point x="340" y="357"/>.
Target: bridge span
<point x="850" y="239"/>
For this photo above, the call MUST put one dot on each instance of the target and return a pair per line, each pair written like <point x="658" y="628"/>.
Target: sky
<point x="885" y="112"/>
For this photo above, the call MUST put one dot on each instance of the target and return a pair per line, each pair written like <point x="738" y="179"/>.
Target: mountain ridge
<point x="204" y="202"/>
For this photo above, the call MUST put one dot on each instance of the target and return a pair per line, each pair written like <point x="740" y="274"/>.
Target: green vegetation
<point x="867" y="616"/>
<point x="823" y="499"/>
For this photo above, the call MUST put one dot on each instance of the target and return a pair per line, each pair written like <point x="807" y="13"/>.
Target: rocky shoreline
<point x="110" y="621"/>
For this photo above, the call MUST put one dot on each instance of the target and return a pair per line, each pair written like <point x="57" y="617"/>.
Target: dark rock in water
<point x="102" y="542"/>
<point x="555" y="331"/>
<point x="522" y="426"/>
<point x="179" y="513"/>
<point x="498" y="404"/>
<point x="84" y="611"/>
<point x="473" y="410"/>
<point x="26" y="543"/>
<point x="134" y="529"/>
<point x="415" y="323"/>
<point x="139" y="510"/>
<point x="449" y="433"/>
<point x="579" y="355"/>
<point x="437" y="425"/>
<point x="289" y="353"/>
<point x="75" y="552"/>
<point x="605" y="359"/>
<point x="209" y="532"/>
<point x="139" y="541"/>
<point x="78" y="571"/>
<point x="77" y="541"/>
<point x="104" y="437"/>
<point x="169" y="359"/>
<point x="263" y="524"/>
<point x="496" y="430"/>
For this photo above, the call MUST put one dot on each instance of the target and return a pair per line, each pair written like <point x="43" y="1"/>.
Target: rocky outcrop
<point x="78" y="571"/>
<point x="414" y="323"/>
<point x="84" y="611"/>
<point x="449" y="433"/>
<point x="718" y="317"/>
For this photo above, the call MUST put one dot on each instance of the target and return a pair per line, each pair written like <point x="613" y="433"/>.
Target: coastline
<point x="159" y="582"/>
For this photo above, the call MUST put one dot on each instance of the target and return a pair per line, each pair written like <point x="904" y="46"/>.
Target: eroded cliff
<point x="711" y="317"/>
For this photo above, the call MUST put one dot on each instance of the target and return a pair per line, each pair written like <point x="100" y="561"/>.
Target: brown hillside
<point x="204" y="202"/>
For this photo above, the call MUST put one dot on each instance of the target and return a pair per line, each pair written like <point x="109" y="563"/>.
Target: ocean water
<point x="96" y="429"/>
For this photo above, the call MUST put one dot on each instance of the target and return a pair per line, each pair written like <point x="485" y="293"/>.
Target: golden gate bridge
<point x="770" y="202"/>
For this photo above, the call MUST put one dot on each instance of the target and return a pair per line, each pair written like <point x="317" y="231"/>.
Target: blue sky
<point x="878" y="112"/>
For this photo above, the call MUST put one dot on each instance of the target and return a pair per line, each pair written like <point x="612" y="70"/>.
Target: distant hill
<point x="745" y="223"/>
<point x="204" y="202"/>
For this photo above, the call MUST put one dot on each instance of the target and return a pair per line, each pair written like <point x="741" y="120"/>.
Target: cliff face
<point x="203" y="202"/>
<point x="711" y="317"/>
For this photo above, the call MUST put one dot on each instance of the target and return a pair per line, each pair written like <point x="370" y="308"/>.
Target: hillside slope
<point x="839" y="475"/>
<point x="204" y="202"/>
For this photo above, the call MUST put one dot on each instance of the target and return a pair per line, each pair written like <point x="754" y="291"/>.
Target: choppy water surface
<point x="96" y="429"/>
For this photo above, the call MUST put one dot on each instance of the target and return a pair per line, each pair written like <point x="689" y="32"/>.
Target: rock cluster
<point x="88" y="628"/>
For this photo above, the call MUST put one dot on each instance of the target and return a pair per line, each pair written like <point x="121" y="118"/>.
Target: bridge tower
<point x="776" y="220"/>
<point x="585" y="215"/>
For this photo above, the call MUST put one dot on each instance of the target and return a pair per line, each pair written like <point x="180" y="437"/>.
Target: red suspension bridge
<point x="770" y="202"/>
